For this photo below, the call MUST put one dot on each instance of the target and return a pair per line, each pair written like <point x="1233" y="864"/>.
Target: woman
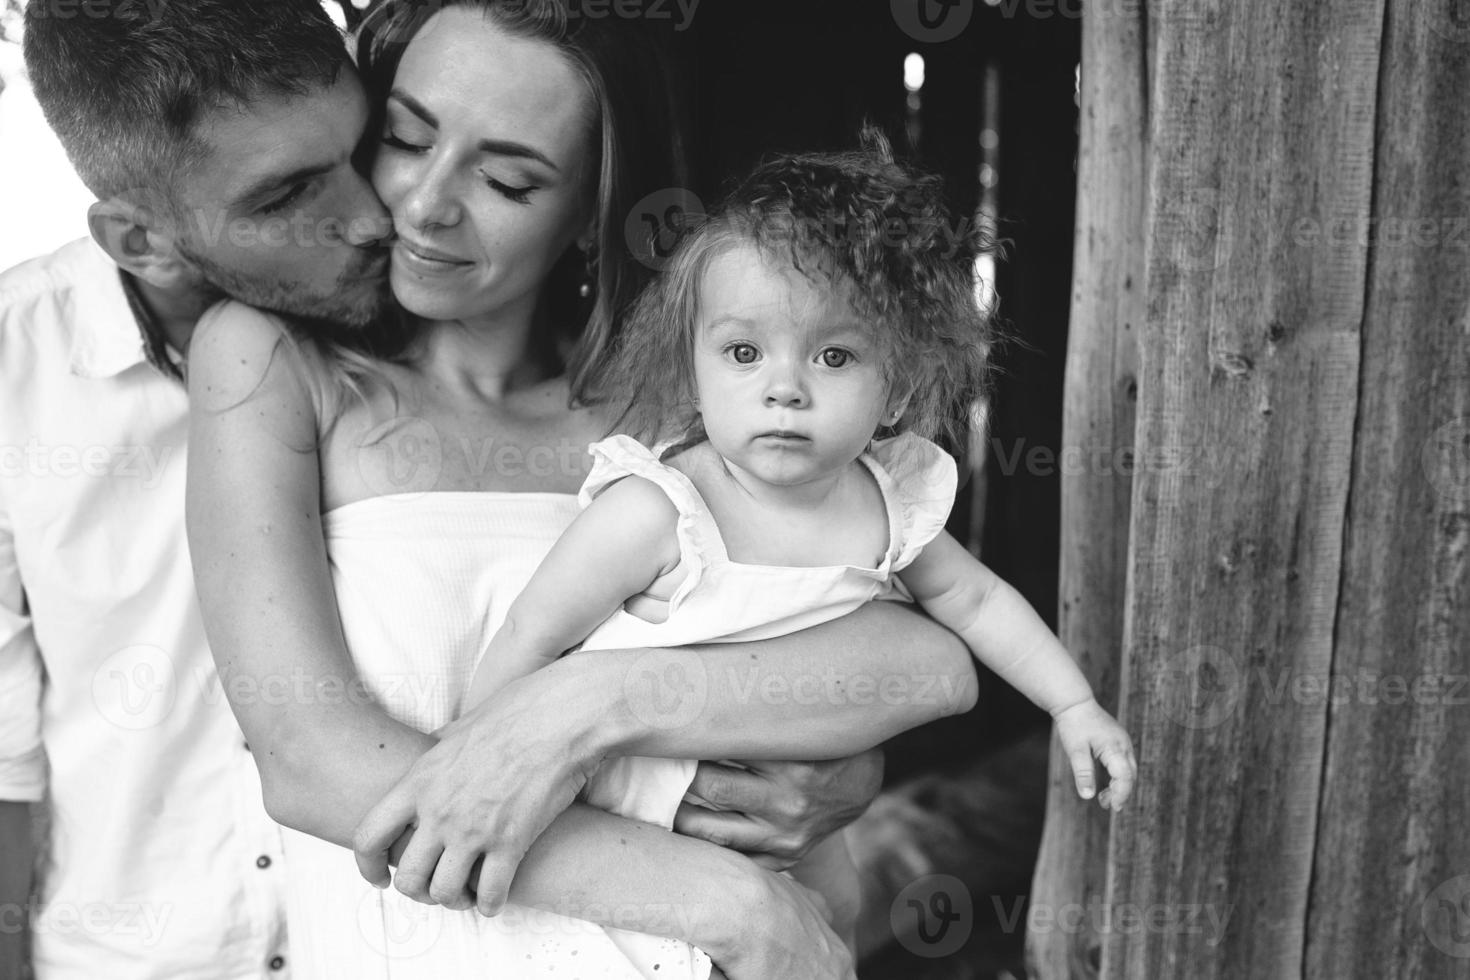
<point x="510" y="150"/>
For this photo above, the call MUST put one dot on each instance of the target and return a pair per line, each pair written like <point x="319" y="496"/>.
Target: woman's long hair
<point x="636" y="140"/>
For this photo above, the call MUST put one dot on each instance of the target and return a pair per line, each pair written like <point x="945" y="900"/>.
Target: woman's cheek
<point x="391" y="175"/>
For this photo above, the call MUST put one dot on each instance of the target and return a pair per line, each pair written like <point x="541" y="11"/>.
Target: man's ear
<point x="141" y="244"/>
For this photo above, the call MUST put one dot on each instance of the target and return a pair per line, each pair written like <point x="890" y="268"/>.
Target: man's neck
<point x="174" y="313"/>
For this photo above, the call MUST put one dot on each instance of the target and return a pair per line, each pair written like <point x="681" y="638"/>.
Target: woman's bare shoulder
<point x="237" y="352"/>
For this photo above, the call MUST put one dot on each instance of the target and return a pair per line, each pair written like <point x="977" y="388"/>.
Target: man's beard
<point x="360" y="299"/>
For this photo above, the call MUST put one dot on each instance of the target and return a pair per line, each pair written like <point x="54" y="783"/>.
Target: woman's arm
<point x="260" y="565"/>
<point x="826" y="692"/>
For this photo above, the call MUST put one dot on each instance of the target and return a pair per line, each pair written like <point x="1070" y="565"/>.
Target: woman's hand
<point x="496" y="780"/>
<point x="775" y="812"/>
<point x="1086" y="732"/>
<point x="784" y="933"/>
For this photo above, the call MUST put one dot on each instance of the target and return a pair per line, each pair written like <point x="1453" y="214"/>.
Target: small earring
<point x="589" y="275"/>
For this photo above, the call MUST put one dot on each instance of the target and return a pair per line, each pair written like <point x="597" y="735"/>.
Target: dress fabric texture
<point x="422" y="582"/>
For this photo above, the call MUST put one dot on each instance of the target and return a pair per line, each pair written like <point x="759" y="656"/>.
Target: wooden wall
<point x="1272" y="234"/>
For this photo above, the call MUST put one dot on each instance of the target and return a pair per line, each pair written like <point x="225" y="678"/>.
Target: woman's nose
<point x="432" y="200"/>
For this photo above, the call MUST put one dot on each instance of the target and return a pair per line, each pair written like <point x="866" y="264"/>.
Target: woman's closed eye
<point x="398" y="143"/>
<point x="520" y="195"/>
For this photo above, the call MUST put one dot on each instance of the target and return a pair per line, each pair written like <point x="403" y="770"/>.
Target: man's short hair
<point x="125" y="83"/>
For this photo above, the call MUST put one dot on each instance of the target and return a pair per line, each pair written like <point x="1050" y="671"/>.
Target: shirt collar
<point x="114" y="329"/>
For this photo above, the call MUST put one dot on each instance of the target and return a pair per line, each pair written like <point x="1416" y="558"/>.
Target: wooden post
<point x="1100" y="396"/>
<point x="1295" y="601"/>
<point x="1391" y="883"/>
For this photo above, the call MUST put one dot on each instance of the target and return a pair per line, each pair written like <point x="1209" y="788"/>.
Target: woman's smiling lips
<point x="426" y="259"/>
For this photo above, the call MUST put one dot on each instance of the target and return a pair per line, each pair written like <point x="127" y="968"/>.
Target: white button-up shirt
<point x="162" y="862"/>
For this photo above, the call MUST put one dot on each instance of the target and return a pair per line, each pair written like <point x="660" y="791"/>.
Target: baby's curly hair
<point x="853" y="217"/>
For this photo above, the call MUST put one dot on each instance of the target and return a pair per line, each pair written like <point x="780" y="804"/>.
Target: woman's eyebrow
<point x="504" y="148"/>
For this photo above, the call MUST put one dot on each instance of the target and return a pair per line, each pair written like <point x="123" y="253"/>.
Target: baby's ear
<point x="897" y="405"/>
<point x="141" y="243"/>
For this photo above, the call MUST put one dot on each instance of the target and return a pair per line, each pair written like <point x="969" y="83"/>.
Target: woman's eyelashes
<point x="511" y="192"/>
<point x="520" y="195"/>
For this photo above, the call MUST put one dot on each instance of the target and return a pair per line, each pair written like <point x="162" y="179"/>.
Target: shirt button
<point x="263" y="862"/>
<point x="277" y="962"/>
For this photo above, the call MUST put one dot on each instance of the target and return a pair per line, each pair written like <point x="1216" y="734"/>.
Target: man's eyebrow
<point x="504" y="148"/>
<point x="257" y="191"/>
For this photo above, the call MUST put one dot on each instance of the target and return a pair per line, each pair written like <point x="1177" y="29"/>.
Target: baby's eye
<point x="836" y="357"/>
<point x="743" y="353"/>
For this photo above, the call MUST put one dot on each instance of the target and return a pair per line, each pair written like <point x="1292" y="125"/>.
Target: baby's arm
<point x="615" y="549"/>
<point x="1005" y="633"/>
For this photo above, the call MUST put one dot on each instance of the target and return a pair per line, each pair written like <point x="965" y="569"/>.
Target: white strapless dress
<point x="422" y="582"/>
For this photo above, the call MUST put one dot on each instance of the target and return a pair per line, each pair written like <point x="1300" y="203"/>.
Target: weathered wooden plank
<point x="1101" y="391"/>
<point x="1391" y="890"/>
<point x="1261" y="113"/>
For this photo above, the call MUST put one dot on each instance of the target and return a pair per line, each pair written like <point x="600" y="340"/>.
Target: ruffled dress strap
<point x="919" y="480"/>
<point x="700" y="544"/>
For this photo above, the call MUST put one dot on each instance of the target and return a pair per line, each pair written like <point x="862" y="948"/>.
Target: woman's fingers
<point x="449" y="886"/>
<point x="416" y="867"/>
<point x="392" y="816"/>
<point x="494" y="888"/>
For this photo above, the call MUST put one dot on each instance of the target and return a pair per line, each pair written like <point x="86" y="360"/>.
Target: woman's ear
<point x="141" y="244"/>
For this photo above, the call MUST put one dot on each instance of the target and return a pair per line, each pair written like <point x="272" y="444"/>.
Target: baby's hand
<point x="1087" y="732"/>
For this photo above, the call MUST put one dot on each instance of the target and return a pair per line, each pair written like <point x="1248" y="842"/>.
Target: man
<point x="162" y="862"/>
<point x="219" y="137"/>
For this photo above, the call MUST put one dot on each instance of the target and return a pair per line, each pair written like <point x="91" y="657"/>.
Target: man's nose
<point x="370" y="222"/>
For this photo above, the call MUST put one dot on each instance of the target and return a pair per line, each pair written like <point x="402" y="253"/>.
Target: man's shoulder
<point x="51" y="284"/>
<point x="70" y="265"/>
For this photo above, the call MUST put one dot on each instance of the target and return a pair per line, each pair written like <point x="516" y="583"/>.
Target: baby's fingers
<point x="1082" y="772"/>
<point x="1122" y="770"/>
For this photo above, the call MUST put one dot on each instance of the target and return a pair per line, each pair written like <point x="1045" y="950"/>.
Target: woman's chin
<point x="428" y="300"/>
